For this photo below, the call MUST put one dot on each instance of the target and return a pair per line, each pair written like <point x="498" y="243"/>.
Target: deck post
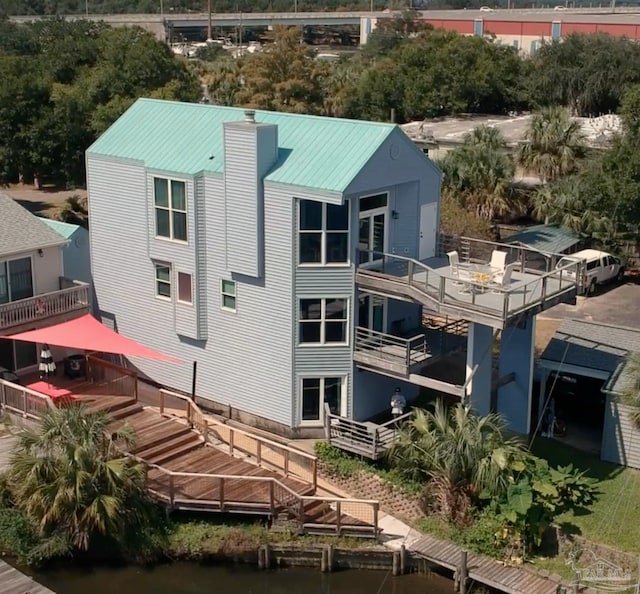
<point x="272" y="502"/>
<point x="259" y="452"/>
<point x="205" y="430"/>
<point x="286" y="463"/>
<point x="301" y="516"/>
<point x="24" y="404"/>
<point x="231" y="434"/>
<point x="221" y="492"/>
<point x="171" y="489"/>
<point x="463" y="573"/>
<point x="403" y="559"/>
<point x="315" y="474"/>
<point x="161" y="402"/>
<point x="375" y="519"/>
<point x="395" y="564"/>
<point x="338" y="517"/>
<point x="376" y="443"/>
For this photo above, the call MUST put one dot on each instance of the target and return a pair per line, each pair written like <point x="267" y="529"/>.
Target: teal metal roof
<point x="315" y="152"/>
<point x="553" y="239"/>
<point x="64" y="229"/>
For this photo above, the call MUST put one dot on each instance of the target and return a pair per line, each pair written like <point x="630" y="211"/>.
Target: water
<point x="192" y="578"/>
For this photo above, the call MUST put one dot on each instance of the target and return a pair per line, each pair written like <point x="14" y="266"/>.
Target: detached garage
<point x="584" y="372"/>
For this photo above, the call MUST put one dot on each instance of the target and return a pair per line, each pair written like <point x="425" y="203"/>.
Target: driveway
<point x="612" y="304"/>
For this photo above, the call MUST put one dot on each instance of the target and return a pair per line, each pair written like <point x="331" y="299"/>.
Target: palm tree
<point x="459" y="455"/>
<point x="69" y="478"/>
<point x="554" y="143"/>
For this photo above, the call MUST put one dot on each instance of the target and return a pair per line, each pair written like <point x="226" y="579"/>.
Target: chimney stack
<point x="250" y="116"/>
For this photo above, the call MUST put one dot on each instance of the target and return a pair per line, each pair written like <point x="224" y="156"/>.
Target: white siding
<point x="620" y="439"/>
<point x="247" y="360"/>
<point x="47" y="270"/>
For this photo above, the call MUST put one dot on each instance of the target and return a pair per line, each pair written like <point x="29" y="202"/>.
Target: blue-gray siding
<point x="76" y="259"/>
<point x="620" y="439"/>
<point x="247" y="360"/>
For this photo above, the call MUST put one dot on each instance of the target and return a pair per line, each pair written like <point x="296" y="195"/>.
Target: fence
<point x="265" y="452"/>
<point x="111" y="379"/>
<point x="23" y="401"/>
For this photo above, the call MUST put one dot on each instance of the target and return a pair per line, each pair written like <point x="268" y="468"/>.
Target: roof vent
<point x="250" y="116"/>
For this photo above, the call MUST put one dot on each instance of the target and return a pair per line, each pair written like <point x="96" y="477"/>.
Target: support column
<point x="367" y="25"/>
<point x="479" y="355"/>
<point x="544" y="376"/>
<point x="516" y="356"/>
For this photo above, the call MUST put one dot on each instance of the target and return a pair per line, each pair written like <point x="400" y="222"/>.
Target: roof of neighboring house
<point x="315" y="152"/>
<point x="21" y="231"/>
<point x="65" y="229"/>
<point x="596" y="346"/>
<point x="551" y="239"/>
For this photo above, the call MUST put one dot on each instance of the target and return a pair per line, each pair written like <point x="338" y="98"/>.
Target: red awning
<point x="87" y="333"/>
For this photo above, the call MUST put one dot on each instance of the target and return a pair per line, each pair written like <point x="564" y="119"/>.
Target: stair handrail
<point x="207" y="421"/>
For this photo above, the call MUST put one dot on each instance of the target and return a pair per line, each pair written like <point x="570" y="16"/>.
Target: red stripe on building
<point x="503" y="27"/>
<point x="536" y="29"/>
<point x="578" y="28"/>
<point x="619" y="30"/>
<point x="463" y="27"/>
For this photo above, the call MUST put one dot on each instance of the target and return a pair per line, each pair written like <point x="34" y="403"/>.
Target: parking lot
<point x="615" y="304"/>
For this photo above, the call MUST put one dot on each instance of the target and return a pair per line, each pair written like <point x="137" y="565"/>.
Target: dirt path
<point x="47" y="202"/>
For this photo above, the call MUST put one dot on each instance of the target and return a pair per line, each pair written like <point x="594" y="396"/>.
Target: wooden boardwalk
<point x="484" y="570"/>
<point x="14" y="582"/>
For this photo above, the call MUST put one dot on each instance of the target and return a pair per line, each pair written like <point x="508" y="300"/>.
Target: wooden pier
<point x="14" y="582"/>
<point x="483" y="570"/>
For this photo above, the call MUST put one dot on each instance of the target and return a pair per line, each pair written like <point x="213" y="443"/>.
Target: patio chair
<point x="501" y="280"/>
<point x="455" y="267"/>
<point x="498" y="261"/>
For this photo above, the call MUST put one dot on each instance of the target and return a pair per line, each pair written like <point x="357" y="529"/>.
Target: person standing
<point x="398" y="402"/>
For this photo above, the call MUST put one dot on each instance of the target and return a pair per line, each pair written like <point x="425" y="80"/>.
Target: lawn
<point x="614" y="519"/>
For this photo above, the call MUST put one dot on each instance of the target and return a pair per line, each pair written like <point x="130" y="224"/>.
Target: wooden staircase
<point x="187" y="472"/>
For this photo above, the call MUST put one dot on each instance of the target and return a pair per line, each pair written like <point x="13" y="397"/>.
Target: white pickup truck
<point x="600" y="268"/>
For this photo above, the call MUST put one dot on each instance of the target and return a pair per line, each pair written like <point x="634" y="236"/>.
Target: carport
<point x="576" y="371"/>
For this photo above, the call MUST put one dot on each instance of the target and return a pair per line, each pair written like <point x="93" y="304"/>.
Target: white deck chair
<point x="498" y="261"/>
<point x="501" y="280"/>
<point x="455" y="267"/>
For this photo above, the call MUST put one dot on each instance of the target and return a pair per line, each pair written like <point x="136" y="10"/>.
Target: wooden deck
<point x="484" y="570"/>
<point x="14" y="582"/>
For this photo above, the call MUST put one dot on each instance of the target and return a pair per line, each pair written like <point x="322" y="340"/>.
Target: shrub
<point x="337" y="462"/>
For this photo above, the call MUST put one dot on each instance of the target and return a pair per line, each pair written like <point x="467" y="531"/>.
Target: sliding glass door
<point x="16" y="280"/>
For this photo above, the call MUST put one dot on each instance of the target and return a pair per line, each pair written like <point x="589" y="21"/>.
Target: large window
<point x="16" y="280"/>
<point x="316" y="391"/>
<point x="323" y="321"/>
<point x="163" y="281"/>
<point x="228" y="288"/>
<point x="170" y="200"/>
<point x="323" y="233"/>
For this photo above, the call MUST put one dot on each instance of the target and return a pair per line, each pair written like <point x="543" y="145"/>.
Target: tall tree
<point x="284" y="77"/>
<point x="554" y="144"/>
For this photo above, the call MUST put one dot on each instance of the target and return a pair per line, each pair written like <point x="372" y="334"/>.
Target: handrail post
<point x="315" y="474"/>
<point x="231" y="440"/>
<point x="375" y="519"/>
<point x="301" y="515"/>
<point x="286" y="463"/>
<point x="338" y="517"/>
<point x="221" y="493"/>
<point x="376" y="443"/>
<point x="171" y="489"/>
<point x="24" y="404"/>
<point x="442" y="288"/>
<point x="259" y="452"/>
<point x="410" y="272"/>
<point x="272" y="504"/>
<point x="205" y="430"/>
<point x="161" y="402"/>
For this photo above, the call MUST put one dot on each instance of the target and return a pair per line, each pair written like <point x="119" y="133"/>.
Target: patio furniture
<point x="455" y="267"/>
<point x="480" y="276"/>
<point x="498" y="261"/>
<point x="501" y="280"/>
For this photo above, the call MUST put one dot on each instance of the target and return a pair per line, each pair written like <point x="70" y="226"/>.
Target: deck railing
<point x="181" y="489"/>
<point x="111" y="378"/>
<point x="408" y="274"/>
<point x="365" y="439"/>
<point x="39" y="307"/>
<point x="23" y="401"/>
<point x="265" y="452"/>
<point x="393" y="351"/>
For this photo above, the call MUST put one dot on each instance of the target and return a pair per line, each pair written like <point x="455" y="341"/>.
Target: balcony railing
<point x="391" y="353"/>
<point x="40" y="307"/>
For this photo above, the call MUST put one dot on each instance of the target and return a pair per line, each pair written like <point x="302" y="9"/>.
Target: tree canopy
<point x="64" y="82"/>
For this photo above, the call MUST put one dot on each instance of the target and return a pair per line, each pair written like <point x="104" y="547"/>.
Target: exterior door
<point x="372" y="233"/>
<point x="428" y="231"/>
<point x="372" y="313"/>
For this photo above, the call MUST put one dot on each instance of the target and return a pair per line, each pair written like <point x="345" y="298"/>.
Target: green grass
<point x="614" y="518"/>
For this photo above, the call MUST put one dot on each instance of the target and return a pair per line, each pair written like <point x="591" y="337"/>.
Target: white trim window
<point x="323" y="321"/>
<point x="228" y="294"/>
<point x="315" y="392"/>
<point x="163" y="280"/>
<point x="323" y="233"/>
<point x="170" y="206"/>
<point x="185" y="288"/>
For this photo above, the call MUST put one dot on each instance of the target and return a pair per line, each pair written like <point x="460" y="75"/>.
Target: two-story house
<point x="33" y="289"/>
<point x="293" y="258"/>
